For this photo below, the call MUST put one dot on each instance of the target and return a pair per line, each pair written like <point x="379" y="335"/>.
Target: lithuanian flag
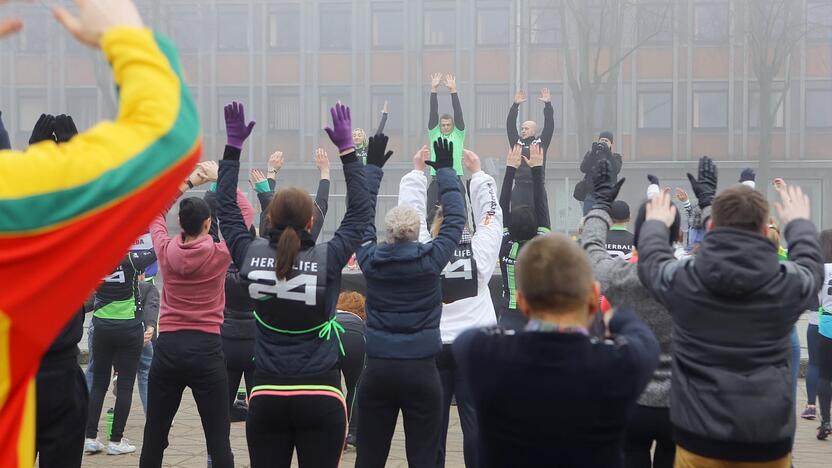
<point x="69" y="212"/>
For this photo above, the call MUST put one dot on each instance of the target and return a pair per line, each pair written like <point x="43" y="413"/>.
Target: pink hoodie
<point x="193" y="293"/>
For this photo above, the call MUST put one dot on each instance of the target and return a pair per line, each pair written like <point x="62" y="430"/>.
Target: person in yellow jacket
<point x="97" y="193"/>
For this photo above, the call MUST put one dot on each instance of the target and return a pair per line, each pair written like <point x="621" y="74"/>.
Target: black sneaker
<point x="824" y="430"/>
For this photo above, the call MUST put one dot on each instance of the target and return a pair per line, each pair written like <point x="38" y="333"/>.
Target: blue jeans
<point x="795" y="342"/>
<point x="142" y="372"/>
<point x="812" y="343"/>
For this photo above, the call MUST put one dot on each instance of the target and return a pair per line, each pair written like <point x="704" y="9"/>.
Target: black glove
<point x="44" y="129"/>
<point x="64" y="128"/>
<point x="748" y="174"/>
<point x="605" y="188"/>
<point x="444" y="151"/>
<point x="653" y="179"/>
<point x="375" y="150"/>
<point x="705" y="185"/>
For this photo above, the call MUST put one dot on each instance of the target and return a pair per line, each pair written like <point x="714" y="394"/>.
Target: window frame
<point x="428" y="9"/>
<point x="711" y="41"/>
<point x="274" y="11"/>
<point x="492" y="45"/>
<point x="663" y="89"/>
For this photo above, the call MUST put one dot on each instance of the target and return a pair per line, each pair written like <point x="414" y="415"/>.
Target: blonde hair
<point x="401" y="224"/>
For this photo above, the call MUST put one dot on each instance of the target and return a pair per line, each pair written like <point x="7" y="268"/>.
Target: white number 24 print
<point x="460" y="269"/>
<point x="283" y="289"/>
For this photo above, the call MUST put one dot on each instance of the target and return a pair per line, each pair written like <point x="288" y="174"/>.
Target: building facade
<point x="686" y="90"/>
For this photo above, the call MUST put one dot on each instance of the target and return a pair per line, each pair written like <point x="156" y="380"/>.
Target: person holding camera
<point x="603" y="149"/>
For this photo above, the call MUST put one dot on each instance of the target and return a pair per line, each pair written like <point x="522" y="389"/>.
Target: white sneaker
<point x="92" y="446"/>
<point x="120" y="448"/>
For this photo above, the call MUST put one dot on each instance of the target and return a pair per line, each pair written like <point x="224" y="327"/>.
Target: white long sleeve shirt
<point x="477" y="311"/>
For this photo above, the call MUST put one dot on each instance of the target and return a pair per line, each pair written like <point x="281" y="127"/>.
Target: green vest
<point x="457" y="137"/>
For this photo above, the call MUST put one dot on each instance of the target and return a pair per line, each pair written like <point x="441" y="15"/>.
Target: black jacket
<point x="588" y="165"/>
<point x="733" y="306"/>
<point x="568" y="409"/>
<point x="524" y="173"/>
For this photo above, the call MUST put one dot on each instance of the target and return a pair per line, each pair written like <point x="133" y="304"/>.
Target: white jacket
<point x="477" y="311"/>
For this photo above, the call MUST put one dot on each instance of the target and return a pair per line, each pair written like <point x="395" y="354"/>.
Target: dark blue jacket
<point x="404" y="293"/>
<point x="299" y="355"/>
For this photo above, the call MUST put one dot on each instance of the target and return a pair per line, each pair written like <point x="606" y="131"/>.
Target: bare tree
<point x="593" y="34"/>
<point x="775" y="29"/>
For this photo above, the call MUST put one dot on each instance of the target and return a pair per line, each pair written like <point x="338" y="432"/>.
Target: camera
<point x="600" y="147"/>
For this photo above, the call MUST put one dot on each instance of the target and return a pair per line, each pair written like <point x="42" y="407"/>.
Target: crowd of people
<point x="671" y="345"/>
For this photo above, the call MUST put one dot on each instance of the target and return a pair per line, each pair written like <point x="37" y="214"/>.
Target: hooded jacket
<point x="193" y="296"/>
<point x="622" y="287"/>
<point x="476" y="311"/>
<point x="733" y="306"/>
<point x="404" y="295"/>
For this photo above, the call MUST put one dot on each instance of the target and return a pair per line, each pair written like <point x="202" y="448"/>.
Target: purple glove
<point x="341" y="133"/>
<point x="236" y="130"/>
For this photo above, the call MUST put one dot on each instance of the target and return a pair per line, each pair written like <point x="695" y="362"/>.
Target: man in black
<point x="604" y="148"/>
<point x="522" y="192"/>
<point x="619" y="239"/>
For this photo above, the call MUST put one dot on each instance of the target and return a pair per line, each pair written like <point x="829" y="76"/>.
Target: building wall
<point x="687" y="91"/>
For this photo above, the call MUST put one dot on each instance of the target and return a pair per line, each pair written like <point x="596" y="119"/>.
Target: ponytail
<point x="290" y="210"/>
<point x="287" y="251"/>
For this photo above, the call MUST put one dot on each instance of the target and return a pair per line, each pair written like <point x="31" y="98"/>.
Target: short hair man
<point x="619" y="239"/>
<point x="551" y="392"/>
<point x="528" y="136"/>
<point x="733" y="306"/>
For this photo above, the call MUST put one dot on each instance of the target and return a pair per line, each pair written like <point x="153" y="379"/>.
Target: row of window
<point x="238" y="28"/>
<point x="653" y="109"/>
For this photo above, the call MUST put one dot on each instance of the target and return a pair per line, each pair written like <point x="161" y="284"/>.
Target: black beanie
<point x="608" y="135"/>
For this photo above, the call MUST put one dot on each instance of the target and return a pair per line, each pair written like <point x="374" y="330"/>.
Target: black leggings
<point x="390" y="385"/>
<point x="824" y="376"/>
<point x="61" y="407"/>
<point x="111" y="344"/>
<point x="239" y="362"/>
<point x="646" y="425"/>
<point x="352" y="365"/>
<point x="282" y="419"/>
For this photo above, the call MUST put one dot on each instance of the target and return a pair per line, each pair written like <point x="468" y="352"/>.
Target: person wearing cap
<point x="602" y="149"/>
<point x="619" y="238"/>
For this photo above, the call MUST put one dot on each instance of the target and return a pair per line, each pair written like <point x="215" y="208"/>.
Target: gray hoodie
<point x="622" y="287"/>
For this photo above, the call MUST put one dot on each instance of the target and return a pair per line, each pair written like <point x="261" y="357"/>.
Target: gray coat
<point x="622" y="287"/>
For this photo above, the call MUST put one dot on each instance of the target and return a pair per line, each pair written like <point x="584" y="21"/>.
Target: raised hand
<point x="256" y="176"/>
<point x="210" y="169"/>
<point x="376" y="154"/>
<point x="545" y="96"/>
<point x="450" y="82"/>
<point x="341" y="131"/>
<point x="519" y="97"/>
<point x="435" y="81"/>
<point x="64" y="128"/>
<point x="471" y="161"/>
<point x="198" y="176"/>
<point x="535" y="158"/>
<point x="95" y="17"/>
<point x="652" y="179"/>
<point x="681" y="195"/>
<point x="779" y="184"/>
<point x="605" y="188"/>
<point x="275" y="163"/>
<point x="420" y="157"/>
<point x="43" y="130"/>
<point x="704" y="186"/>
<point x="659" y="208"/>
<point x="793" y="204"/>
<point x="322" y="162"/>
<point x="236" y="129"/>
<point x="444" y="151"/>
<point x="385" y="108"/>
<point x="10" y="26"/>
<point x="514" y="156"/>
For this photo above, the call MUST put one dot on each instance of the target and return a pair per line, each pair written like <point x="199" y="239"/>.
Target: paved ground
<point x="187" y="448"/>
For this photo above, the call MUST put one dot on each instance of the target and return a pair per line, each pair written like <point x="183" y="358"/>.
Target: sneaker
<point x="92" y="446"/>
<point x="824" y="430"/>
<point x="809" y="413"/>
<point x="120" y="448"/>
